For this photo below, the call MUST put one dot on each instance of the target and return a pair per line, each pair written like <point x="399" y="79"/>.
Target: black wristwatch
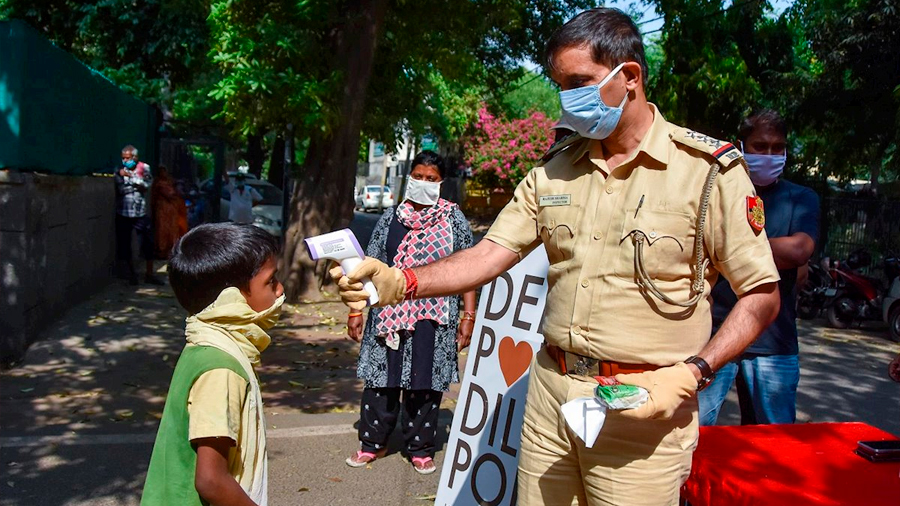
<point x="706" y="373"/>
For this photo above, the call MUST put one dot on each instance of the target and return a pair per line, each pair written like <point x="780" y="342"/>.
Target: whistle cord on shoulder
<point x="643" y="278"/>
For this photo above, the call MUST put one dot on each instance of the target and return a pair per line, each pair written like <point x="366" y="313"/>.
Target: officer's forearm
<point x="754" y="311"/>
<point x="464" y="270"/>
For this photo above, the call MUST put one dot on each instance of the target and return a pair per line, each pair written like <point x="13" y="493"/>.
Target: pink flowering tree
<point x="501" y="152"/>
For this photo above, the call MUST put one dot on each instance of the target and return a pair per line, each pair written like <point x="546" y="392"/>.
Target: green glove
<point x="667" y="387"/>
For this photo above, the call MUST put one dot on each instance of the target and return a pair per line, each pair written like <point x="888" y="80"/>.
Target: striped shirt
<point x="131" y="191"/>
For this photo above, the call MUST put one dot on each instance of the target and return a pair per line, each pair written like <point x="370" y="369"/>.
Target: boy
<point x="211" y="444"/>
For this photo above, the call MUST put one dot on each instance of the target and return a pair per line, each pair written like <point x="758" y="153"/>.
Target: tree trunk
<point x="255" y="154"/>
<point x="322" y="197"/>
<point x="276" y="162"/>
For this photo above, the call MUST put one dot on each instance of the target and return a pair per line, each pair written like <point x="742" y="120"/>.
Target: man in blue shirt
<point x="768" y="372"/>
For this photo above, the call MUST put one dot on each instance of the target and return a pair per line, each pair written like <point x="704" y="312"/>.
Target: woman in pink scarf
<point x="410" y="350"/>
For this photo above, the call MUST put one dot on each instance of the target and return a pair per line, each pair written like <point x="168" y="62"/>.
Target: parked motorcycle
<point x="814" y="295"/>
<point x="858" y="297"/>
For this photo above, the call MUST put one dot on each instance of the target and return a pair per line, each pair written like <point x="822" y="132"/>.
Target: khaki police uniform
<point x="599" y="305"/>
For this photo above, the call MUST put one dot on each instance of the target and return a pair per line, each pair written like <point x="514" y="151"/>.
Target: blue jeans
<point x="766" y="385"/>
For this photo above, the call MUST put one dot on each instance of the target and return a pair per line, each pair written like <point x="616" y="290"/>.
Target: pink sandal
<point x="361" y="458"/>
<point x="423" y="465"/>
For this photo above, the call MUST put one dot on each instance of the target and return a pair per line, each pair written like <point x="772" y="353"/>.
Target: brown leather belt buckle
<point x="580" y="365"/>
<point x="572" y="363"/>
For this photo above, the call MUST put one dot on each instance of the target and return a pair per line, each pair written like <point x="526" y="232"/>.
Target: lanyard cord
<point x="638" y="237"/>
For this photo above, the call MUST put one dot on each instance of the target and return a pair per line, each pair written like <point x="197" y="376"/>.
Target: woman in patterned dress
<point x="408" y="355"/>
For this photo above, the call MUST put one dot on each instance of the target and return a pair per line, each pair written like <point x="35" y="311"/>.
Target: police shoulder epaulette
<point x="725" y="152"/>
<point x="560" y="146"/>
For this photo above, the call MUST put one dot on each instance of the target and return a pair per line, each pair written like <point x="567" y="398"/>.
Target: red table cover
<point x="790" y="465"/>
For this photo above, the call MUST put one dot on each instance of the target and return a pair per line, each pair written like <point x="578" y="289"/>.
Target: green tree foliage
<point x="274" y="58"/>
<point x="848" y="86"/>
<point x="155" y="49"/>
<point x="830" y="66"/>
<point x="532" y="92"/>
<point x="702" y="80"/>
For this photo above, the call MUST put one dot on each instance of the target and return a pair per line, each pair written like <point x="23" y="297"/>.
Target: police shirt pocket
<point x="667" y="244"/>
<point x="558" y="235"/>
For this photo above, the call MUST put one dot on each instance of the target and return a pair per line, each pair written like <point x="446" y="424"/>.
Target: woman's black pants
<point x="379" y="412"/>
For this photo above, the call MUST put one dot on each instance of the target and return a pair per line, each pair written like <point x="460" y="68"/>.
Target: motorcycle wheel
<point x="894" y="369"/>
<point x="835" y="318"/>
<point x="894" y="324"/>
<point x="806" y="309"/>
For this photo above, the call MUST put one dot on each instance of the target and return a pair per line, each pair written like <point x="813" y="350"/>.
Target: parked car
<point x="367" y="198"/>
<point x="267" y="215"/>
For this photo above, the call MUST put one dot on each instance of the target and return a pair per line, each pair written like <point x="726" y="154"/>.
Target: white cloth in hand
<point x="586" y="415"/>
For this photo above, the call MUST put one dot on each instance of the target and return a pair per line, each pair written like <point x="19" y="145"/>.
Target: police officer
<point x="638" y="217"/>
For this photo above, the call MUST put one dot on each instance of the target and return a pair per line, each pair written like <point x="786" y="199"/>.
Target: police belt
<point x="572" y="363"/>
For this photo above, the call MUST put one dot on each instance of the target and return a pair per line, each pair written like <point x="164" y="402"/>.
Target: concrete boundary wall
<point x="57" y="247"/>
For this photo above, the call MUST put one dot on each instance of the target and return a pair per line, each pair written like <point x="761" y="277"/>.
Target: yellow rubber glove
<point x="389" y="281"/>
<point x="668" y="388"/>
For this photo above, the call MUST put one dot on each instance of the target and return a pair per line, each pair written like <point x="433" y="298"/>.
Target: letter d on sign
<point x="465" y="429"/>
<point x="496" y="315"/>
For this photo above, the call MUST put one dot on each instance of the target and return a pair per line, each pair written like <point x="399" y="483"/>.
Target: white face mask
<point x="423" y="192"/>
<point x="765" y="169"/>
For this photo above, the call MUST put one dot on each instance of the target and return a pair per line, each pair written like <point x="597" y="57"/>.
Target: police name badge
<point x="554" y="200"/>
<point x="756" y="214"/>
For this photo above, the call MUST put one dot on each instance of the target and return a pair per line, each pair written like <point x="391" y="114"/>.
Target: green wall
<point x="58" y="115"/>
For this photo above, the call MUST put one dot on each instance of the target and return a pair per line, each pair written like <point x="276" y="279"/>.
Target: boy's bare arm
<point x="212" y="480"/>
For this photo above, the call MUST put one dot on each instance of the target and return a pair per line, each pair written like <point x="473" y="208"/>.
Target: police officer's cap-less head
<point x="588" y="57"/>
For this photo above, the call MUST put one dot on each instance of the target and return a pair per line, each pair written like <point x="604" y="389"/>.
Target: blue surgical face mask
<point x="765" y="169"/>
<point x="130" y="164"/>
<point x="584" y="110"/>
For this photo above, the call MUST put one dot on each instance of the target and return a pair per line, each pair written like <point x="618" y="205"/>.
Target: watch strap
<point x="706" y="373"/>
<point x="705" y="370"/>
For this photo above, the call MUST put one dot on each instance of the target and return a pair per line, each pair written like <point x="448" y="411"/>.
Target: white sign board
<point x="483" y="451"/>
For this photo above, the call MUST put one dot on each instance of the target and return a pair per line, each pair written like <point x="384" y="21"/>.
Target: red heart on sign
<point x="514" y="359"/>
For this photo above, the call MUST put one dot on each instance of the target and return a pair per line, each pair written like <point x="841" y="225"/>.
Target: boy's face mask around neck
<point x="231" y="312"/>
<point x="267" y="319"/>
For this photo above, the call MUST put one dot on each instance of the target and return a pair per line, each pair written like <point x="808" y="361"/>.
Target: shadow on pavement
<point x="103" y="372"/>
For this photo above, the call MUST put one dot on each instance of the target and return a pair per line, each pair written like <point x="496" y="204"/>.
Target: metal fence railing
<point x="850" y="224"/>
